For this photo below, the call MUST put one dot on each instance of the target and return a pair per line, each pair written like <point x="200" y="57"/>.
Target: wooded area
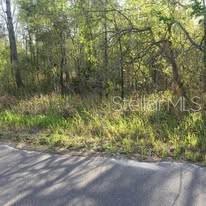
<point x="106" y="48"/>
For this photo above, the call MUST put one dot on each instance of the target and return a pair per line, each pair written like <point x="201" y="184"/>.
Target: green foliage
<point x="5" y="69"/>
<point x="19" y="120"/>
<point x="80" y="39"/>
<point x="197" y="8"/>
<point x="98" y="126"/>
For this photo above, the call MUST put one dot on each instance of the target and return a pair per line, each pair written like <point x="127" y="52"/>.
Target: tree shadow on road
<point x="43" y="179"/>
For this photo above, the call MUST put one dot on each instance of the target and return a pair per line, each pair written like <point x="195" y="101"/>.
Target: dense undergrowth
<point x="75" y="123"/>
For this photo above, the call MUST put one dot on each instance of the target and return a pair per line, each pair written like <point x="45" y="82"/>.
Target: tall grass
<point x="72" y="122"/>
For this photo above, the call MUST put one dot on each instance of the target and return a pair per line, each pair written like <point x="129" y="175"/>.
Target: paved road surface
<point x="37" y="179"/>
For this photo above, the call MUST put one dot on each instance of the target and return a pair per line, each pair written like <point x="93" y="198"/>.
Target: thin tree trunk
<point x="120" y="60"/>
<point x="204" y="48"/>
<point x="121" y="68"/>
<point x="105" y="72"/>
<point x="62" y="64"/>
<point x="176" y="75"/>
<point x="13" y="48"/>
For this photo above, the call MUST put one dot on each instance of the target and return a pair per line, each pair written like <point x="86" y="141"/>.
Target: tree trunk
<point x="120" y="60"/>
<point x="121" y="68"/>
<point x="105" y="72"/>
<point x="63" y="63"/>
<point x="176" y="75"/>
<point x="13" y="48"/>
<point x="204" y="49"/>
<point x="169" y="52"/>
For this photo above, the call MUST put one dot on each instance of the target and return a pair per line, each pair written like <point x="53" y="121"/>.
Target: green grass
<point x="75" y="123"/>
<point x="21" y="121"/>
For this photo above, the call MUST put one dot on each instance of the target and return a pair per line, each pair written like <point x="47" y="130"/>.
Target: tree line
<point x="104" y="46"/>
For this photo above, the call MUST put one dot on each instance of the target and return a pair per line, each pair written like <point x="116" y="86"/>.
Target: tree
<point x="13" y="47"/>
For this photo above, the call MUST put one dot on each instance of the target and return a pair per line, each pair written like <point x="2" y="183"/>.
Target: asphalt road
<point x="38" y="179"/>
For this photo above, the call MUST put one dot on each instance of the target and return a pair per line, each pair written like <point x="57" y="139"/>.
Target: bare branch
<point x="189" y="37"/>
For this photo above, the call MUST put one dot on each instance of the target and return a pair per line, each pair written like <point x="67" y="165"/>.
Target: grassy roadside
<point x="86" y="124"/>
